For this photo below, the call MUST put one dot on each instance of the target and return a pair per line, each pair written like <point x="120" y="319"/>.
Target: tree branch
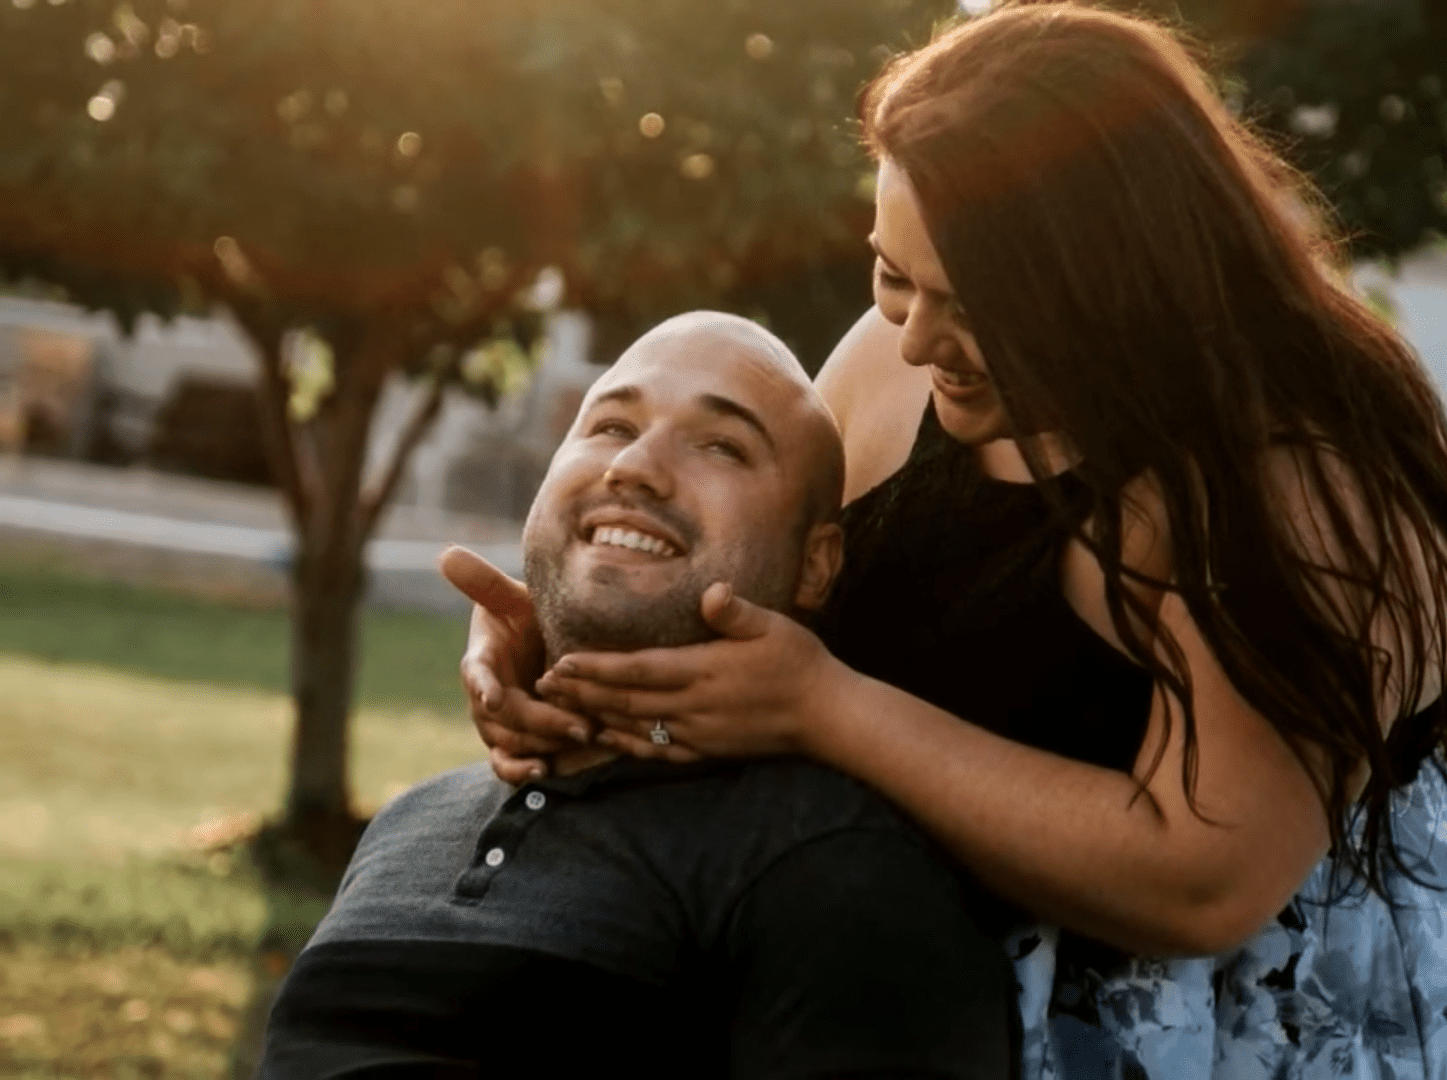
<point x="295" y="472"/>
<point x="374" y="500"/>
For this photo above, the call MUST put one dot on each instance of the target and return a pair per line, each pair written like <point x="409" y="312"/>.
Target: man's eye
<point x="728" y="449"/>
<point x="613" y="427"/>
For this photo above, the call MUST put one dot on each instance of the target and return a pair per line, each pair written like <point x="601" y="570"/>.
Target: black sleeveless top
<point x="951" y="591"/>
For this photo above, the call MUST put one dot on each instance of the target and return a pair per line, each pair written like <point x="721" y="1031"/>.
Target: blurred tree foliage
<point x="1354" y="92"/>
<point x="1357" y="90"/>
<point x="389" y="176"/>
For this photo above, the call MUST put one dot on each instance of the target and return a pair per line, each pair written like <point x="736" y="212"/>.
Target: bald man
<point x="753" y="919"/>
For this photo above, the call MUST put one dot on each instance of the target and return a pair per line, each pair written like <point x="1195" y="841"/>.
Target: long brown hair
<point x="1144" y="275"/>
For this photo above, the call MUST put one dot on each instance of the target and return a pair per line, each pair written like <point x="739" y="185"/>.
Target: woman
<point x="1145" y="615"/>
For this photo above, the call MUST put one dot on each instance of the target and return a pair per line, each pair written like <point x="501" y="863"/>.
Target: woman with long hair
<point x="1143" y="613"/>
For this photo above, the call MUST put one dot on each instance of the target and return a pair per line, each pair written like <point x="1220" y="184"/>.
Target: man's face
<point x="681" y="469"/>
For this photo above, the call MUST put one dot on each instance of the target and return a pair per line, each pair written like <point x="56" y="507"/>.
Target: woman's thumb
<point x="733" y="616"/>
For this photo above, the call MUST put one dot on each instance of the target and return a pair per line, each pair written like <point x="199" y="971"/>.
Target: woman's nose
<point x="926" y="338"/>
<point x="643" y="465"/>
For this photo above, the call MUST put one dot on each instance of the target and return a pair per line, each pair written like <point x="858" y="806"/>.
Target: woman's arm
<point x="1070" y="841"/>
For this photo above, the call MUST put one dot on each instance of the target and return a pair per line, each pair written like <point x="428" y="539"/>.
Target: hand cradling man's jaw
<point x="703" y="455"/>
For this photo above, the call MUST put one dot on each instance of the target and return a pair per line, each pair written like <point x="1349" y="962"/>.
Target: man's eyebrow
<point x="729" y="407"/>
<point x="626" y="395"/>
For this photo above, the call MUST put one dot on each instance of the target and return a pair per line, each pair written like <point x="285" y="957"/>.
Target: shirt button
<point x="495" y="857"/>
<point x="536" y="800"/>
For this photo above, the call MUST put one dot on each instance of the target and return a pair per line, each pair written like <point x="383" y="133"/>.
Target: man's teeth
<point x="631" y="538"/>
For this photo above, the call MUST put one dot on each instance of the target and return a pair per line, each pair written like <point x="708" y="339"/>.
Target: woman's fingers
<point x="479" y="678"/>
<point x="649" y="669"/>
<point x="635" y="746"/>
<point x="519" y="743"/>
<point x="517" y="771"/>
<point x="542" y="719"/>
<point x="483" y="583"/>
<point x="595" y="699"/>
<point x="733" y="616"/>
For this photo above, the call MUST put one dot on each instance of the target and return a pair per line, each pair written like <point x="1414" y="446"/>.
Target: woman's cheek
<point x="890" y="305"/>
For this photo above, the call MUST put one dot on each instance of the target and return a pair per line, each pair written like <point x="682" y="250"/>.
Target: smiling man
<point x="753" y="919"/>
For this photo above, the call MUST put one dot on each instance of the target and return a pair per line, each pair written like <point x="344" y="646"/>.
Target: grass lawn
<point x="408" y="660"/>
<point x="132" y="725"/>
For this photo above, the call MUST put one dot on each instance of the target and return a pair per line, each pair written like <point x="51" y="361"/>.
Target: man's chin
<point x="610" y="610"/>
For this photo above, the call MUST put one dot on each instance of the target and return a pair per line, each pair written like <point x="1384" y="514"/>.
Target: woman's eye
<point x="891" y="280"/>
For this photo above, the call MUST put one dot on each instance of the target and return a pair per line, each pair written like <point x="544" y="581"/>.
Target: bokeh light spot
<point x="651" y="125"/>
<point x="168" y="40"/>
<point x="23" y="5"/>
<point x="697" y="166"/>
<point x="100" y="48"/>
<point x="409" y="144"/>
<point x="103" y="106"/>
<point x="759" y="46"/>
<point x="336" y="102"/>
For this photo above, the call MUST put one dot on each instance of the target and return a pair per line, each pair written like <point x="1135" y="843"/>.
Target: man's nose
<point x="642" y="465"/>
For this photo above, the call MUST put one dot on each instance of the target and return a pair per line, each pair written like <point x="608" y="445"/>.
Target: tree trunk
<point x="328" y="580"/>
<point x="319" y="468"/>
<point x="327" y="587"/>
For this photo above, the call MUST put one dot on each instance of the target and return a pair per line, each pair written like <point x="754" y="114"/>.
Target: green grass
<point x="407" y="660"/>
<point x="107" y="780"/>
<point x="129" y="717"/>
<point x="134" y="724"/>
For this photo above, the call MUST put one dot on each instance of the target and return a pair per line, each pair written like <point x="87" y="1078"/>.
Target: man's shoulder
<point x="798" y="799"/>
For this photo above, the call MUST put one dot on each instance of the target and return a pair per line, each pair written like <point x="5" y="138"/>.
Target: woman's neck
<point x="1003" y="460"/>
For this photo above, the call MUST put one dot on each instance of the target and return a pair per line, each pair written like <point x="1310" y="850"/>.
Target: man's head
<point x="704" y="454"/>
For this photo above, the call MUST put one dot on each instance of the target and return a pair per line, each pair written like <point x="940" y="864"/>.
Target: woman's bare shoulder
<point x="869" y="346"/>
<point x="876" y="399"/>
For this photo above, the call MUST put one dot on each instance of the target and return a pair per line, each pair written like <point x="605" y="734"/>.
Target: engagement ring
<point x="659" y="734"/>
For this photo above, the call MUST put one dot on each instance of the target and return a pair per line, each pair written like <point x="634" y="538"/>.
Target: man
<point x="761" y="919"/>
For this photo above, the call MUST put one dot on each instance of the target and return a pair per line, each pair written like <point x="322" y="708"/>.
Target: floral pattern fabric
<point x="1355" y="988"/>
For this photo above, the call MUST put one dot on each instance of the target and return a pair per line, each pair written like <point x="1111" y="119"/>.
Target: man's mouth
<point x="633" y="539"/>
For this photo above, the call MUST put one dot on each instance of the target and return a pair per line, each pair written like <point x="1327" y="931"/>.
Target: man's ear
<point x="823" y="556"/>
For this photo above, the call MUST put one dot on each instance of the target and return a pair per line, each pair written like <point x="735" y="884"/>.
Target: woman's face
<point x="913" y="292"/>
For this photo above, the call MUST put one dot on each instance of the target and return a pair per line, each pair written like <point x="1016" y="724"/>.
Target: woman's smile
<point x="961" y="386"/>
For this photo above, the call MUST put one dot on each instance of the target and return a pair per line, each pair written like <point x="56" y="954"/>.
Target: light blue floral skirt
<point x="1351" y="989"/>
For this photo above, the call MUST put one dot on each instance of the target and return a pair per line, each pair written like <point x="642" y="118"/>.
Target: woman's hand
<point x="504" y="654"/>
<point x="756" y="692"/>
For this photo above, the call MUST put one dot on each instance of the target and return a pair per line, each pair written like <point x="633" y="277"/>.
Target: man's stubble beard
<point x="615" y="620"/>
